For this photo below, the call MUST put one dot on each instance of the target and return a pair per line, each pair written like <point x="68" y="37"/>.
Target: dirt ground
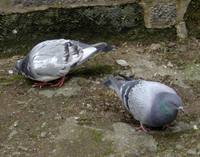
<point x="85" y="119"/>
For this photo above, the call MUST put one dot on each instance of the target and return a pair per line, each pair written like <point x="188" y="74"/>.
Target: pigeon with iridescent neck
<point x="151" y="103"/>
<point x="53" y="59"/>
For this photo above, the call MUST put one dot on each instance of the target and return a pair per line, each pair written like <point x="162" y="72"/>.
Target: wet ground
<point x="85" y="119"/>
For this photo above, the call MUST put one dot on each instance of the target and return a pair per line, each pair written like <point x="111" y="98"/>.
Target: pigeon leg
<point x="142" y="128"/>
<point x="59" y="83"/>
<point x="40" y="84"/>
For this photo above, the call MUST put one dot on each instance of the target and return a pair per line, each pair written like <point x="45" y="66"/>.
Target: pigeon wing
<point x="52" y="59"/>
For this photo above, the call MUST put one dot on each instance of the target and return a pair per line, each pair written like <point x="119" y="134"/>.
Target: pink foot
<point x="142" y="128"/>
<point x="59" y="83"/>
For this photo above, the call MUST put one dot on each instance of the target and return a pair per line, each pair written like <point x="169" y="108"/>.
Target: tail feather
<point x="102" y="47"/>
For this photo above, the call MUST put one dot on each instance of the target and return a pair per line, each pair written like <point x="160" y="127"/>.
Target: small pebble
<point x="43" y="125"/>
<point x="43" y="134"/>
<point x="122" y="62"/>
<point x="169" y="64"/>
<point x="76" y="118"/>
<point x="16" y="123"/>
<point x="195" y="127"/>
<point x="10" y="72"/>
<point x="155" y="47"/>
<point x="14" y="31"/>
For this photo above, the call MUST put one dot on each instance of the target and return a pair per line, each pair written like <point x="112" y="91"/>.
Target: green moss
<point x="97" y="136"/>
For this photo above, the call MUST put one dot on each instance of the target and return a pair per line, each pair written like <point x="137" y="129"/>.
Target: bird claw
<point x="142" y="128"/>
<point x="59" y="83"/>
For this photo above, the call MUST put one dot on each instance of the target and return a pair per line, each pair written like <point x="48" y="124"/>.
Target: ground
<point x="86" y="119"/>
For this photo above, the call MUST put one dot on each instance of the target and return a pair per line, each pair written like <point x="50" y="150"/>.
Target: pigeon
<point x="52" y="60"/>
<point x="153" y="104"/>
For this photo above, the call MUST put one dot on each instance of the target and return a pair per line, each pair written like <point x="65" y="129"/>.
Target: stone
<point x="181" y="30"/>
<point x="169" y="64"/>
<point x="74" y="138"/>
<point x="155" y="47"/>
<point x="195" y="127"/>
<point x="43" y="134"/>
<point x="125" y="139"/>
<point x="122" y="62"/>
<point x="10" y="72"/>
<point x="159" y="14"/>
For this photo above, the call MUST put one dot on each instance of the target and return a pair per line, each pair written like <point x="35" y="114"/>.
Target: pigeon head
<point x="18" y="65"/>
<point x="165" y="108"/>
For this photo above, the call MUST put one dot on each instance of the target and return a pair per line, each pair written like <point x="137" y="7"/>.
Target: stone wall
<point x="157" y="13"/>
<point x="23" y="30"/>
<point x="192" y="18"/>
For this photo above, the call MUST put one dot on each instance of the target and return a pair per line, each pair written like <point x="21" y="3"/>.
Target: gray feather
<point x="151" y="103"/>
<point x="52" y="59"/>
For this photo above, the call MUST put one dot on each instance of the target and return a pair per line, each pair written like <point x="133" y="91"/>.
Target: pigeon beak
<point x="181" y="109"/>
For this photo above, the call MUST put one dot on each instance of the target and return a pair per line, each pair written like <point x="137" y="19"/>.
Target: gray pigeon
<point x="151" y="103"/>
<point x="53" y="59"/>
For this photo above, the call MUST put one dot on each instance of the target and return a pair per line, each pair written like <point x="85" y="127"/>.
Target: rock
<point x="195" y="127"/>
<point x="127" y="73"/>
<point x="43" y="134"/>
<point x="122" y="62"/>
<point x="14" y="31"/>
<point x="155" y="47"/>
<point x="128" y="141"/>
<point x="10" y="72"/>
<point x="169" y="64"/>
<point x="171" y="44"/>
<point x="159" y="15"/>
<point x="81" y="138"/>
<point x="43" y="125"/>
<point x="181" y="30"/>
<point x="16" y="123"/>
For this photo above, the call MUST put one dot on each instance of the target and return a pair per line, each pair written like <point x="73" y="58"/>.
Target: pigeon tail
<point x="102" y="47"/>
<point x="114" y="84"/>
<point x="90" y="51"/>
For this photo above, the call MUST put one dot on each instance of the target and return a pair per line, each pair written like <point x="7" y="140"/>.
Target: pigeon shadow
<point x="92" y="71"/>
